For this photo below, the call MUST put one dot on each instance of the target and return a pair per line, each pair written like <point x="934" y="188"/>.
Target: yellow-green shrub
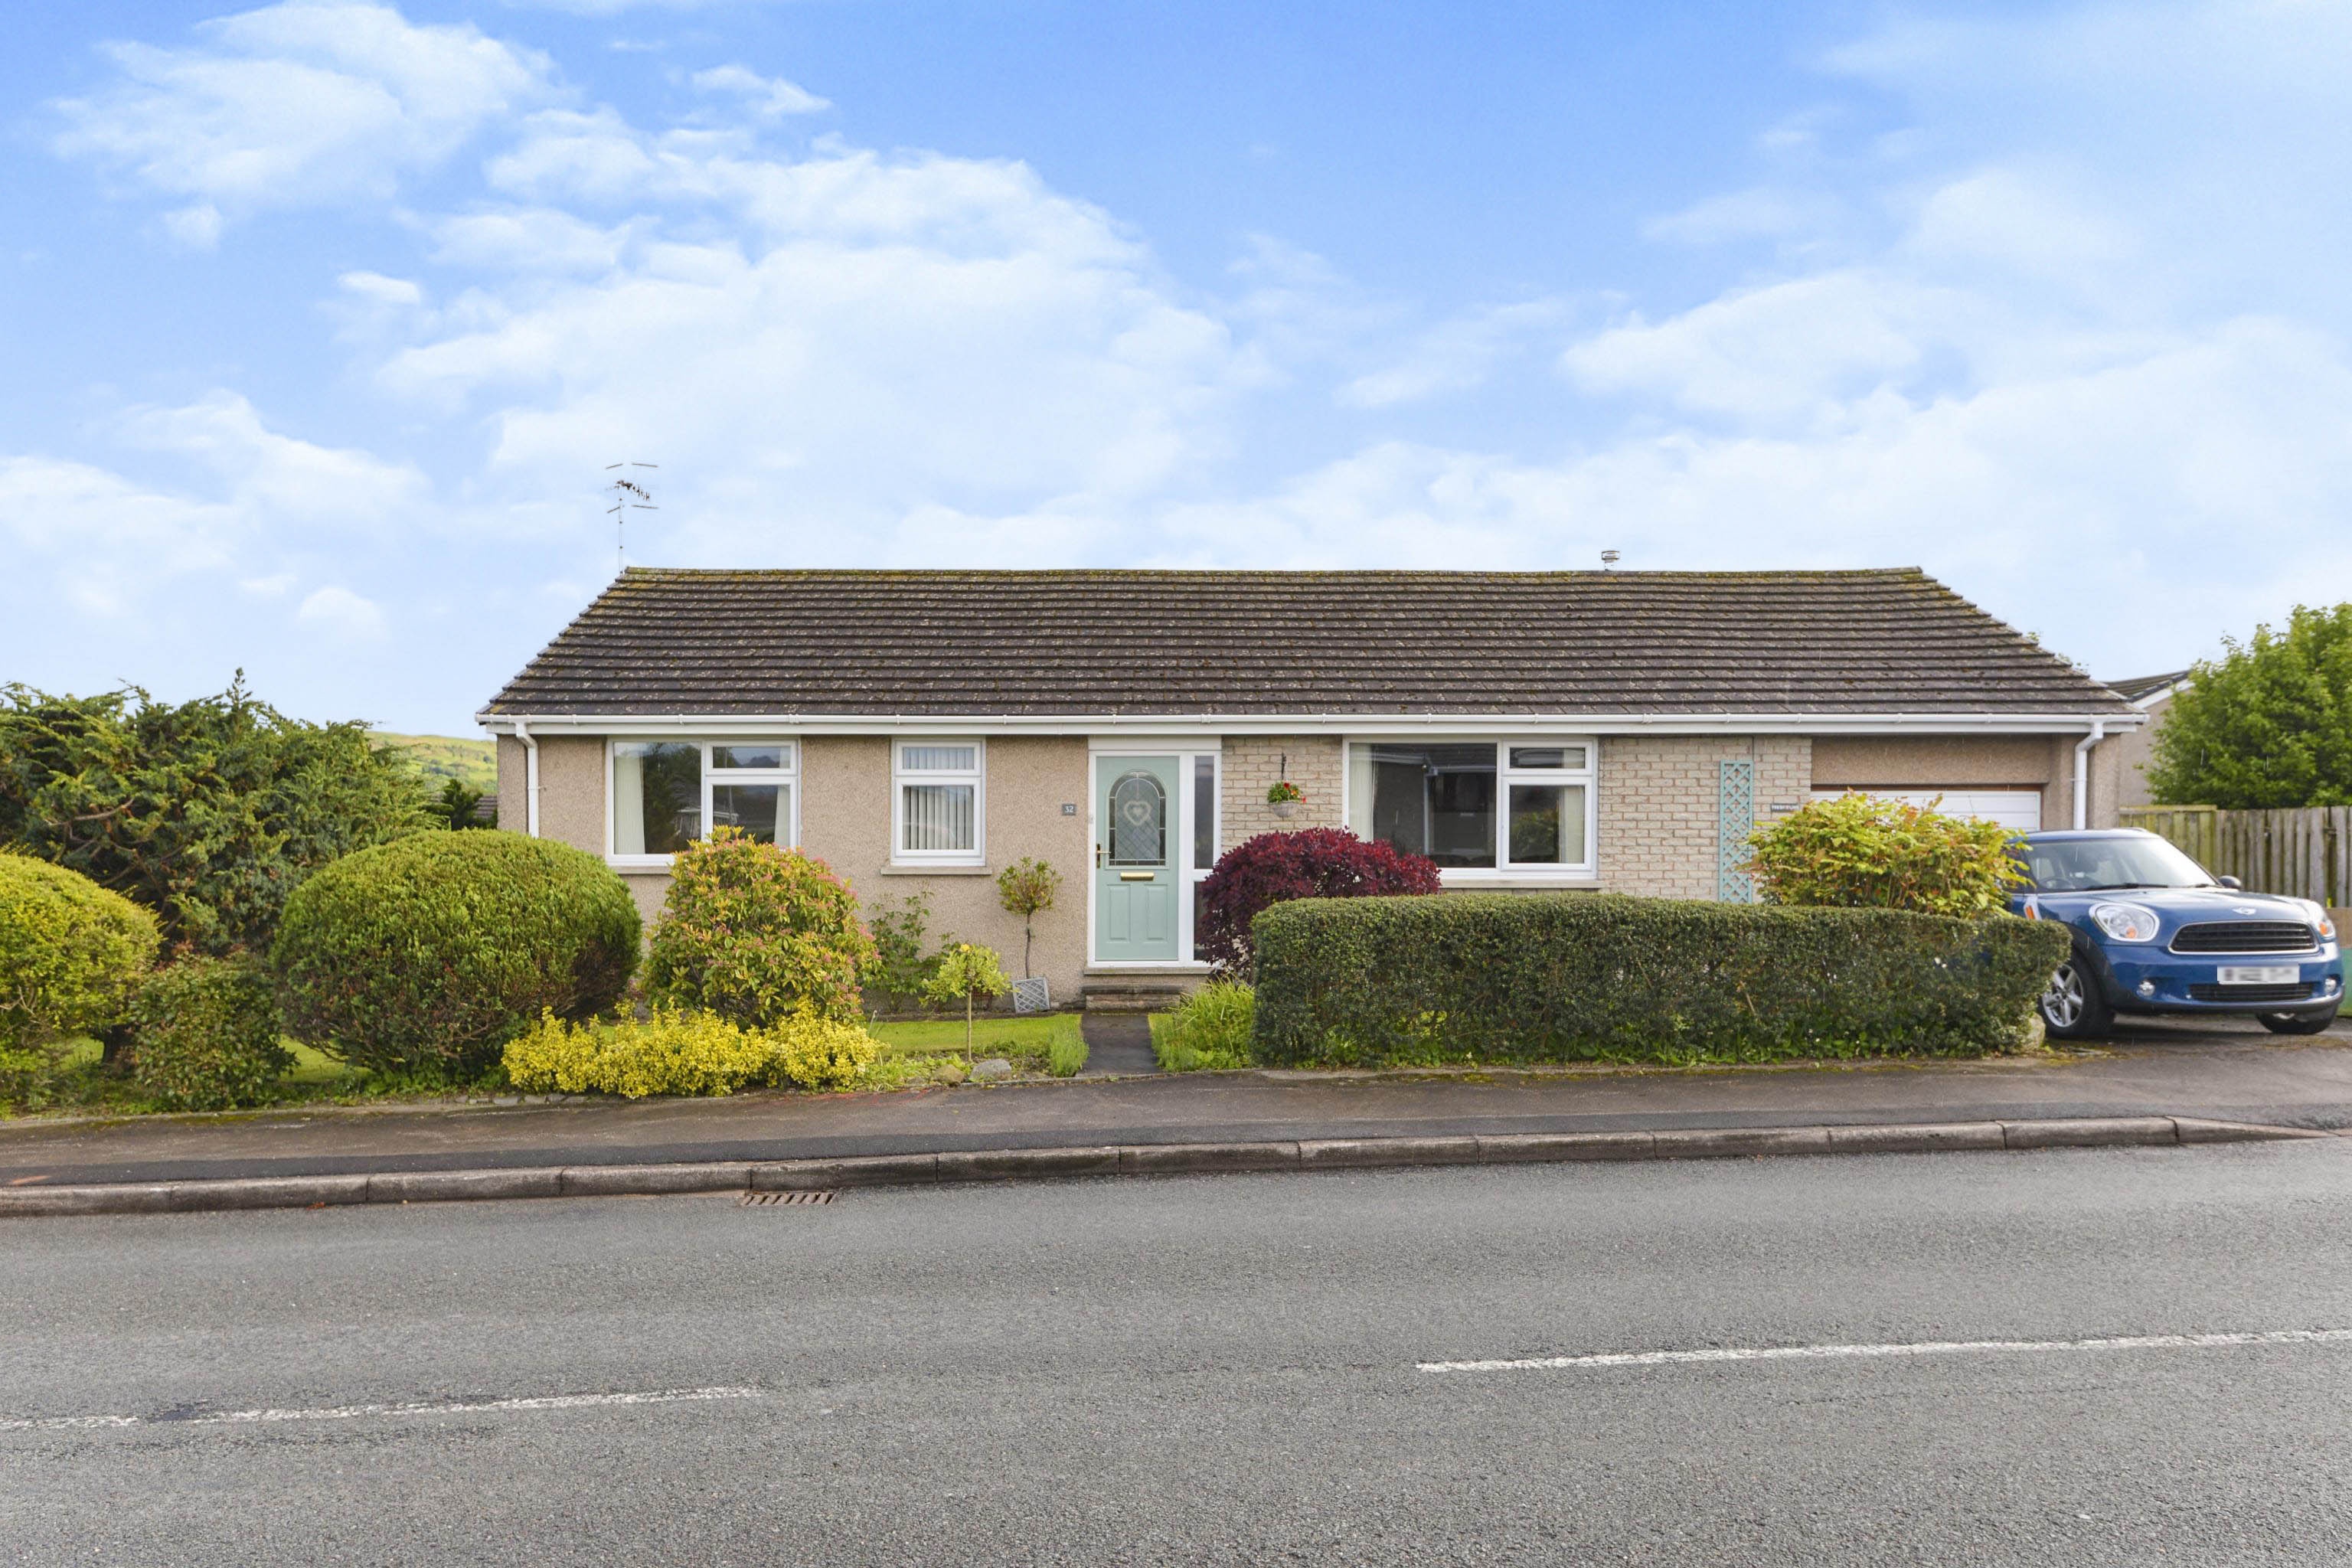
<point x="818" y="1052"/>
<point x="687" y="1051"/>
<point x="674" y="1051"/>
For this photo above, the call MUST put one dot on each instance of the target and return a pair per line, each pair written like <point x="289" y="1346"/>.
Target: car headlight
<point x="2319" y="921"/>
<point x="2126" y="923"/>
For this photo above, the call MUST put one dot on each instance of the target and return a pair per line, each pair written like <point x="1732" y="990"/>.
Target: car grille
<point x="2299" y="992"/>
<point x="2245" y="936"/>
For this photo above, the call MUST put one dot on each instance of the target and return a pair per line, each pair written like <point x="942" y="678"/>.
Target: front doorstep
<point x="1138" y="988"/>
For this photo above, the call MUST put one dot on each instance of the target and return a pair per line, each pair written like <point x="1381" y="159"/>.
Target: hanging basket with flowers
<point x="1283" y="796"/>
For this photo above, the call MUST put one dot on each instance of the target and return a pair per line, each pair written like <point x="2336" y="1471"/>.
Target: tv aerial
<point x="628" y="496"/>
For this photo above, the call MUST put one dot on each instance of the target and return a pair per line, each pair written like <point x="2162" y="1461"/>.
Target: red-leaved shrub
<point x="1312" y="863"/>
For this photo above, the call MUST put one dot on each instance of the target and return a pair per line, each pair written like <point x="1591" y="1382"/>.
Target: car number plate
<point x="2257" y="975"/>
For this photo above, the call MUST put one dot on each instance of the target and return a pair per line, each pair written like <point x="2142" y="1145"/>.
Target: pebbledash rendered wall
<point x="844" y="820"/>
<point x="1660" y="799"/>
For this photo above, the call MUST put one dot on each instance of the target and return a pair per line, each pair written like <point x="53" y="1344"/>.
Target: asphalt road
<point x="1213" y="1370"/>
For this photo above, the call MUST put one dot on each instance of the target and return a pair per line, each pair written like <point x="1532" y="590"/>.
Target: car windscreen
<point x="2084" y="865"/>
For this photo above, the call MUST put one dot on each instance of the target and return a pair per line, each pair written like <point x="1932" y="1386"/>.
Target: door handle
<point x="1135" y="876"/>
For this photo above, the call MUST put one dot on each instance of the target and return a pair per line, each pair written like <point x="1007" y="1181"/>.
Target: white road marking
<point x="353" y="1412"/>
<point x="1915" y="1348"/>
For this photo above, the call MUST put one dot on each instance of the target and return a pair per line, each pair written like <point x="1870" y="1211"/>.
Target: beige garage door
<point x="2019" y="810"/>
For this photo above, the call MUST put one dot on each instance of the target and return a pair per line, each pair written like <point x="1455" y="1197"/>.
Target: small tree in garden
<point x="2268" y="724"/>
<point x="1860" y="852"/>
<point x="755" y="933"/>
<point x="1312" y="863"/>
<point x="1026" y="888"/>
<point x="968" y="974"/>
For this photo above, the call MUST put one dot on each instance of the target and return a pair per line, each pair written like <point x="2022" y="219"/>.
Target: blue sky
<point x="324" y="319"/>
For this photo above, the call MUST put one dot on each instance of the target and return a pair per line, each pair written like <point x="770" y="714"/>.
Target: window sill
<point x="1515" y="879"/>
<point x="915" y="869"/>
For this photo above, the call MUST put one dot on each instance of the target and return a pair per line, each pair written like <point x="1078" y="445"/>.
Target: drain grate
<point x="816" y="1195"/>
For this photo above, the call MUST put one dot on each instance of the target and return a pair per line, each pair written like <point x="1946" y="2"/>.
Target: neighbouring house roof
<point x="663" y="642"/>
<point x="2139" y="688"/>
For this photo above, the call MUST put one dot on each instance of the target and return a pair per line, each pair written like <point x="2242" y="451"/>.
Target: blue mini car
<point x="2154" y="933"/>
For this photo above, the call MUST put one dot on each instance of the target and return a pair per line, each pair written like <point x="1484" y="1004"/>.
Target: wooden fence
<point x="2305" y="853"/>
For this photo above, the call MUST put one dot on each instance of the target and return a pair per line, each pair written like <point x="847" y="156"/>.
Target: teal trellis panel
<point x="1735" y="819"/>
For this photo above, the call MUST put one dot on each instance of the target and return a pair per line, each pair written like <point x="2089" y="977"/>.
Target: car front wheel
<point x="2071" y="1007"/>
<point x="2296" y="1022"/>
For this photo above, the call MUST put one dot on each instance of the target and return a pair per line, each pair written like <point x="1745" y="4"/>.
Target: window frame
<point x="787" y="775"/>
<point x="1504" y="869"/>
<point x="901" y="775"/>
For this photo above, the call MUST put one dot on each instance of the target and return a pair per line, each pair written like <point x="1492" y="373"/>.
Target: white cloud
<point x="378" y="289"/>
<point x="264" y="471"/>
<point x="841" y="335"/>
<point x="295" y="104"/>
<point x="1455" y="355"/>
<point x="341" y="614"/>
<point x="769" y="97"/>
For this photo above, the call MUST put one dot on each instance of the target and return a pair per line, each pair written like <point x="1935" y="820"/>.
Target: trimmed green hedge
<point x="205" y="1034"/>
<point x="429" y="953"/>
<point x="1584" y="977"/>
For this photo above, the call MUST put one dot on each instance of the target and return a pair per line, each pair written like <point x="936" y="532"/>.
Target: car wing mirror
<point x="2229" y="882"/>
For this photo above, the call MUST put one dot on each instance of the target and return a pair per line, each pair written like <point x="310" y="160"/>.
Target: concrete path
<point x="2231" y="1074"/>
<point x="1118" y="1045"/>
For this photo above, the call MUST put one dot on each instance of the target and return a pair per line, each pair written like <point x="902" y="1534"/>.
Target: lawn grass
<point x="1208" y="1031"/>
<point x="1037" y="1043"/>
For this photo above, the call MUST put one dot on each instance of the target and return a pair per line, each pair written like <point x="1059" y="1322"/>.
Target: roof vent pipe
<point x="530" y="777"/>
<point x="2082" y="772"/>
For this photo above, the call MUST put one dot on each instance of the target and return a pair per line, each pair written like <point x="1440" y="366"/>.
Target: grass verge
<point x="1208" y="1031"/>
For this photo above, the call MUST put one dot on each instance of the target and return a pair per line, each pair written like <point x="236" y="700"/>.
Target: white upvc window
<point x="937" y="801"/>
<point x="1482" y="808"/>
<point x="663" y="795"/>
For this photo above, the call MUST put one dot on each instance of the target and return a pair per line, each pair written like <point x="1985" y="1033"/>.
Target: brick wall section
<point x="1253" y="764"/>
<point x="1658" y="805"/>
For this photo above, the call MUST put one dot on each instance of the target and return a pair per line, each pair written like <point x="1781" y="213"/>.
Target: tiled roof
<point x="2142" y="687"/>
<point x="1047" y="643"/>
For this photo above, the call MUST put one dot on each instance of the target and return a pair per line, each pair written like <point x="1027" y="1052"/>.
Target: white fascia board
<point x="1160" y="725"/>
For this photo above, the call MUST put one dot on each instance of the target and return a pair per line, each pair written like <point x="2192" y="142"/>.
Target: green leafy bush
<point x="1860" y="852"/>
<point x="1573" y="977"/>
<point x="755" y="933"/>
<point x="426" y="956"/>
<point x="205" y="1034"/>
<point x="902" y="966"/>
<point x="208" y="812"/>
<point x="71" y="954"/>
<point x="1208" y="1030"/>
<point x="676" y="1050"/>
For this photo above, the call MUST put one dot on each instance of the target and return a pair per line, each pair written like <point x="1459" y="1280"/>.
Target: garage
<point x="2019" y="810"/>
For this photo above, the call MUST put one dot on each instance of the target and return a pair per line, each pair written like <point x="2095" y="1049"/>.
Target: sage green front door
<point x="1137" y="859"/>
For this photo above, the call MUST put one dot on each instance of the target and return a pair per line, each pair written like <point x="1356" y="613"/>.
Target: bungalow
<point x="1621" y="730"/>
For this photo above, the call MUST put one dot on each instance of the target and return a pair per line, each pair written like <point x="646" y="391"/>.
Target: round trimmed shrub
<point x="428" y="954"/>
<point x="71" y="953"/>
<point x="755" y="933"/>
<point x="205" y="1034"/>
<point x="1312" y="863"/>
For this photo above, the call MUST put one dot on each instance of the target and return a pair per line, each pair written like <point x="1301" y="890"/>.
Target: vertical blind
<point x="936" y="818"/>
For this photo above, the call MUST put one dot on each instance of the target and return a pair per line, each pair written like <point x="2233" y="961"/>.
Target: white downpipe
<point x="2082" y="772"/>
<point x="530" y="777"/>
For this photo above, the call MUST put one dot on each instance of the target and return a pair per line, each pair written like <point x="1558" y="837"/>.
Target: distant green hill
<point x="474" y="763"/>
